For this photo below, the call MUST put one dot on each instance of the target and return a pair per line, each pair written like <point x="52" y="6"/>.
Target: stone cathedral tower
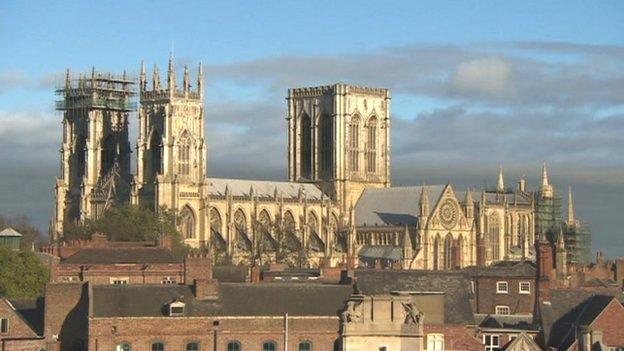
<point x="339" y="139"/>
<point x="95" y="153"/>
<point x="171" y="150"/>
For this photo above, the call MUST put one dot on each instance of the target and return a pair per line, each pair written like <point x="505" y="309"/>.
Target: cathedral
<point x="337" y="207"/>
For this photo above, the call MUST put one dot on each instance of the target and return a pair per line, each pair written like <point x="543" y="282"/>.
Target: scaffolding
<point x="548" y="218"/>
<point x="578" y="243"/>
<point x="99" y="91"/>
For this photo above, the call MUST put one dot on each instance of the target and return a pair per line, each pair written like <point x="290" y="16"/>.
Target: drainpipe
<point x="215" y="329"/>
<point x="285" y="331"/>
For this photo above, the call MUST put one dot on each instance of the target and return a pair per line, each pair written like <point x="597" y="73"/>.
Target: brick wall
<point x="66" y="313"/>
<point x="137" y="273"/>
<point x="610" y="323"/>
<point x="175" y="332"/>
<point x="456" y="337"/>
<point x="35" y="344"/>
<point x="487" y="298"/>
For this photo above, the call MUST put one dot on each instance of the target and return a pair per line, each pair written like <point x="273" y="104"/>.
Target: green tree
<point x="129" y="223"/>
<point x="21" y="274"/>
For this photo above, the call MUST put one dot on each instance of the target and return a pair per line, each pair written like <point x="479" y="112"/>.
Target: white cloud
<point x="492" y="75"/>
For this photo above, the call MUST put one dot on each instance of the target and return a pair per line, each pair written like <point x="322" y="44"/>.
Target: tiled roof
<point x="263" y="188"/>
<point x="235" y="299"/>
<point x="455" y="286"/>
<point x="393" y="206"/>
<point x="504" y="269"/>
<point x="31" y="311"/>
<point x="568" y="308"/>
<point x="230" y="274"/>
<point x="120" y="256"/>
<point x="524" y="322"/>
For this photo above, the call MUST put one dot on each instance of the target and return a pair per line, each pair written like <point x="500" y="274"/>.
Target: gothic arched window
<point x="371" y="145"/>
<point x="354" y="144"/>
<point x="264" y="227"/>
<point x="494" y="233"/>
<point x="448" y="252"/>
<point x="187" y="223"/>
<point x="316" y="243"/>
<point x="215" y="229"/>
<point x="155" y="146"/>
<point x="436" y="252"/>
<point x="291" y="239"/>
<point x="184" y="150"/>
<point x="240" y="227"/>
<point x="326" y="144"/>
<point x="109" y="153"/>
<point x="306" y="147"/>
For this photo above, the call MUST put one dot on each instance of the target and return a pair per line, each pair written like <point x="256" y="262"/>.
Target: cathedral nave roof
<point x="263" y="188"/>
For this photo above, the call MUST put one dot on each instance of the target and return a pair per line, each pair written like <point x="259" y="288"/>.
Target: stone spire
<point x="501" y="181"/>
<point x="571" y="219"/>
<point x="143" y="78"/>
<point x="546" y="189"/>
<point x="424" y="202"/>
<point x="171" y="79"/>
<point x="200" y="80"/>
<point x="469" y="203"/>
<point x="186" y="81"/>
<point x="156" y="79"/>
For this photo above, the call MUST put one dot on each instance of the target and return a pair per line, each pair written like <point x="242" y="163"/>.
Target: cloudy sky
<point x="475" y="85"/>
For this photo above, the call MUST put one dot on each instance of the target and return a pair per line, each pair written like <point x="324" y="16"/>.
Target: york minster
<point x="338" y="205"/>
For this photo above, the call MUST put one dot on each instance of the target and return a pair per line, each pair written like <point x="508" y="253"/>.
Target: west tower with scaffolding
<point x="95" y="151"/>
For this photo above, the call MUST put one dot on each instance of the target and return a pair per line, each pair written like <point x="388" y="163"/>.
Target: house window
<point x="119" y="280"/>
<point x="435" y="342"/>
<point x="124" y="347"/>
<point x="492" y="342"/>
<point x="234" y="346"/>
<point x="383" y="348"/>
<point x="192" y="346"/>
<point x="268" y="346"/>
<point x="4" y="325"/>
<point x="305" y="346"/>
<point x="472" y="286"/>
<point x="501" y="309"/>
<point x="524" y="287"/>
<point x="502" y="288"/>
<point x="176" y="308"/>
<point x="158" y="346"/>
<point x="168" y="280"/>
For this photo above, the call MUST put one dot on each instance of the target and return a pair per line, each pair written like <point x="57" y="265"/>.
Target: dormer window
<point x="176" y="308"/>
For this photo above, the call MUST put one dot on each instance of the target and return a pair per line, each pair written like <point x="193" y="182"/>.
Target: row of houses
<point x="141" y="296"/>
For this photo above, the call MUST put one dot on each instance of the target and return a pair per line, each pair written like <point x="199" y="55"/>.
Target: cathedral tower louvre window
<point x="494" y="233"/>
<point x="184" y="154"/>
<point x="109" y="154"/>
<point x="306" y="147"/>
<point x="155" y="154"/>
<point x="354" y="144"/>
<point x="325" y="143"/>
<point x="371" y="145"/>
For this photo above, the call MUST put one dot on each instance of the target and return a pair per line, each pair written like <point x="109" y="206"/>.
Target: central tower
<point x="339" y="139"/>
<point x="171" y="150"/>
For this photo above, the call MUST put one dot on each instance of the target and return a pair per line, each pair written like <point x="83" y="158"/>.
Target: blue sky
<point x="475" y="84"/>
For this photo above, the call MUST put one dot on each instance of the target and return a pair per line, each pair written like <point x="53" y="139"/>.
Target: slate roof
<point x="31" y="311"/>
<point x="385" y="252"/>
<point x="455" y="286"/>
<point x="504" y="269"/>
<point x="10" y="232"/>
<point x="262" y="188"/>
<point x="235" y="299"/>
<point x="230" y="274"/>
<point x="121" y="256"/>
<point x="568" y="308"/>
<point x="393" y="206"/>
<point x="523" y="322"/>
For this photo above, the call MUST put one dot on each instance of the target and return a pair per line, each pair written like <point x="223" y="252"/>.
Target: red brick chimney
<point x="206" y="289"/>
<point x="545" y="268"/>
<point x="197" y="266"/>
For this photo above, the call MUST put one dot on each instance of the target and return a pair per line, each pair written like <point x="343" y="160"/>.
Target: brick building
<point x="21" y="325"/>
